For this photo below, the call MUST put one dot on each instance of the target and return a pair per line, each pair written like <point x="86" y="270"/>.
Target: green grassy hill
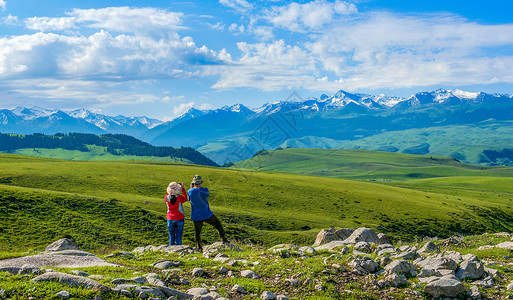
<point x="365" y="165"/>
<point x="120" y="204"/>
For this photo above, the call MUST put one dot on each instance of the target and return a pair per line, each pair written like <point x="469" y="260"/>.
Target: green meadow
<point x="119" y="204"/>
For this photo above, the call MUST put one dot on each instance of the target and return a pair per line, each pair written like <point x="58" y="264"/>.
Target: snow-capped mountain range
<point x="341" y="116"/>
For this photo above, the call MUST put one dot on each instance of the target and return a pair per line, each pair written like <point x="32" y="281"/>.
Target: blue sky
<point x="159" y="58"/>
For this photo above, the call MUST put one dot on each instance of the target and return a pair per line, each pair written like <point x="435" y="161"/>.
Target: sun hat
<point x="174" y="188"/>
<point x="197" y="179"/>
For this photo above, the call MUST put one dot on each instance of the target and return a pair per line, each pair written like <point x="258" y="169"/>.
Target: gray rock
<point x="474" y="292"/>
<point x="232" y="263"/>
<point x="268" y="296"/>
<point x="169" y="292"/>
<point x="282" y="297"/>
<point x="222" y="270"/>
<point x="156" y="282"/>
<point x="54" y="260"/>
<point x="239" y="289"/>
<point x="63" y="294"/>
<point x="470" y="270"/>
<point x="456" y="256"/>
<point x="363" y="235"/>
<point x="166" y="264"/>
<point x="80" y="273"/>
<point x="249" y="274"/>
<point x="364" y="266"/>
<point x="62" y="244"/>
<point x="505" y="245"/>
<point x="492" y="272"/>
<point x="430" y="247"/>
<point x="383" y="239"/>
<point x="72" y="280"/>
<point x="437" y="263"/>
<point x="399" y="267"/>
<point x="385" y="260"/>
<point x="446" y="286"/>
<point x="331" y="245"/>
<point x="306" y="250"/>
<point x="395" y="280"/>
<point x="149" y="291"/>
<point x="510" y="286"/>
<point x="328" y="235"/>
<point x="293" y="282"/>
<point x="26" y="269"/>
<point x="197" y="291"/>
<point x="363" y="246"/>
<point x="198" y="272"/>
<point x="98" y="297"/>
<point x="487" y="282"/>
<point x="408" y="255"/>
<point x="470" y="257"/>
<point x="126" y="293"/>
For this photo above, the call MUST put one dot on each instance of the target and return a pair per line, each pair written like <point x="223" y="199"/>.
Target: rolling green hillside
<point x="365" y="165"/>
<point x="265" y="207"/>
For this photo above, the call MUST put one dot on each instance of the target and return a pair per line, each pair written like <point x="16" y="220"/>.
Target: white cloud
<point x="309" y="16"/>
<point x="268" y="66"/>
<point x="239" y="5"/>
<point x="3" y="5"/>
<point x="10" y="20"/>
<point x="50" y="24"/>
<point x="182" y="108"/>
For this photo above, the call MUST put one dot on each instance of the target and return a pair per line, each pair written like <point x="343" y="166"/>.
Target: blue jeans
<point x="175" y="229"/>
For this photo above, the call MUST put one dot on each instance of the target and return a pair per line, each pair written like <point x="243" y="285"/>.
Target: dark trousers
<point x="214" y="221"/>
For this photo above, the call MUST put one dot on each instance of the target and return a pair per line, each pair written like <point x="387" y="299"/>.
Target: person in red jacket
<point x="175" y="214"/>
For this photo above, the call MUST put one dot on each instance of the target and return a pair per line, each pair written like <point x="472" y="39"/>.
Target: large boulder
<point x="471" y="270"/>
<point x="437" y="263"/>
<point x="364" y="266"/>
<point x="448" y="286"/>
<point x="328" y="235"/>
<point x="72" y="280"/>
<point x="62" y="244"/>
<point x="363" y="234"/>
<point x="430" y="247"/>
<point x="399" y="267"/>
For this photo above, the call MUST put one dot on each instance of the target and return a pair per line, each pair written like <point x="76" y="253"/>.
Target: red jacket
<point x="175" y="212"/>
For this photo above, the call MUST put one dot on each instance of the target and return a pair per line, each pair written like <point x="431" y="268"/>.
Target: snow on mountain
<point x="105" y="122"/>
<point x="32" y="113"/>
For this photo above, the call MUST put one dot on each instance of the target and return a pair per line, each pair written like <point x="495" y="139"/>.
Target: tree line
<point x="117" y="144"/>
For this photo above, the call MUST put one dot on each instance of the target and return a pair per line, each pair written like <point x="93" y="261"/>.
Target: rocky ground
<point x="342" y="264"/>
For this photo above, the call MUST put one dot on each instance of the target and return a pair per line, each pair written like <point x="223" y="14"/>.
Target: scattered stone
<point x="319" y="287"/>
<point x="120" y="253"/>
<point x="408" y="255"/>
<point x="239" y="290"/>
<point x="72" y="280"/>
<point x="179" y="295"/>
<point x="383" y="238"/>
<point x="470" y="257"/>
<point x="454" y="240"/>
<point x="437" y="263"/>
<point x="249" y="274"/>
<point x="447" y="286"/>
<point x="80" y="273"/>
<point x="63" y="294"/>
<point x="166" y="264"/>
<point x="149" y="291"/>
<point x="232" y="263"/>
<point x="456" y="256"/>
<point x="471" y="270"/>
<point x="331" y="245"/>
<point x="385" y="260"/>
<point x="97" y="277"/>
<point x="328" y="235"/>
<point x="510" y="286"/>
<point x="430" y="247"/>
<point x="197" y="291"/>
<point x="492" y="272"/>
<point x="399" y="267"/>
<point x="363" y="234"/>
<point x="222" y="270"/>
<point x="282" y="297"/>
<point x="474" y="292"/>
<point x="219" y="246"/>
<point x="198" y="272"/>
<point x="62" y="244"/>
<point x="363" y="246"/>
<point x="293" y="282"/>
<point x="155" y="281"/>
<point x="487" y="282"/>
<point x="364" y="266"/>
<point x="395" y="280"/>
<point x="268" y="296"/>
<point x="505" y="245"/>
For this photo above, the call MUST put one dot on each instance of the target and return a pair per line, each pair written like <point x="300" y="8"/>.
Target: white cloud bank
<point x="3" y="5"/>
<point x="336" y="47"/>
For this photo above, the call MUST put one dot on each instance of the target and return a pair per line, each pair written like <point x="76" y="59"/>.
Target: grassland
<point x="366" y="165"/>
<point x="45" y="199"/>
<point x="95" y="153"/>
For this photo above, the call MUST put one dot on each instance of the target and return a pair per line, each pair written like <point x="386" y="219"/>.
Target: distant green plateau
<point x="119" y="204"/>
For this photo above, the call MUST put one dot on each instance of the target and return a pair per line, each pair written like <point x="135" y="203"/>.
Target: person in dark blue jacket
<point x="200" y="211"/>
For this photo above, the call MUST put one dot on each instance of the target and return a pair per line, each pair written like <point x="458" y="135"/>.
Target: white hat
<point x="174" y="189"/>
